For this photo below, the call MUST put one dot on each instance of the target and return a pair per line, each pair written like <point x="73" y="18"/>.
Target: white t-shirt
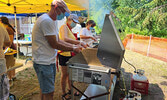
<point x="77" y="29"/>
<point x="42" y="52"/>
<point x="86" y="32"/>
<point x="4" y="37"/>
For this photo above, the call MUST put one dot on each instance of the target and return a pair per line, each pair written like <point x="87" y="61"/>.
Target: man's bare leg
<point x="48" y="96"/>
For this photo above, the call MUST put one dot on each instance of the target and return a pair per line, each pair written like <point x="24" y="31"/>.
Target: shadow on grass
<point x="155" y="92"/>
<point x="164" y="77"/>
<point x="164" y="83"/>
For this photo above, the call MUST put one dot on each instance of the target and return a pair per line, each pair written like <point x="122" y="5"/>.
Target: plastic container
<point x="140" y="84"/>
<point x="27" y="37"/>
<point x="139" y="77"/>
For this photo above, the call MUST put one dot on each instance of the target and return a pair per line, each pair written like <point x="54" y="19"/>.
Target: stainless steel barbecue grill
<point x="96" y="65"/>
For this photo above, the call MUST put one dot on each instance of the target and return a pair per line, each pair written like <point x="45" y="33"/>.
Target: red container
<point x="140" y="86"/>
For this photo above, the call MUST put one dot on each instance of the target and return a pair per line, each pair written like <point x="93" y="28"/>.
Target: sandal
<point x="65" y="98"/>
<point x="69" y="92"/>
<point x="14" y="78"/>
<point x="75" y="94"/>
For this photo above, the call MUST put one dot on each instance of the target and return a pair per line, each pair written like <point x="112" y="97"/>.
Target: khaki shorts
<point x="10" y="61"/>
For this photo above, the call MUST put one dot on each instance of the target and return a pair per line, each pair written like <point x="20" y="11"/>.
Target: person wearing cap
<point x="86" y="34"/>
<point x="66" y="35"/>
<point x="45" y="40"/>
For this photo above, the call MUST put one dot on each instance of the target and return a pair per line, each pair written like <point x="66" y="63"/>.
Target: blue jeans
<point x="46" y="77"/>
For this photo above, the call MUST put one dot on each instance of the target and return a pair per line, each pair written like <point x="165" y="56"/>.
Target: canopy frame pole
<point x="16" y="32"/>
<point x="36" y="16"/>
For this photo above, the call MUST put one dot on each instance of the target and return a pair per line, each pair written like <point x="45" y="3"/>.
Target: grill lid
<point x="110" y="49"/>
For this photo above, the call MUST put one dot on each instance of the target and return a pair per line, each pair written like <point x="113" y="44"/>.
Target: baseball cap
<point x="61" y="3"/>
<point x="74" y="17"/>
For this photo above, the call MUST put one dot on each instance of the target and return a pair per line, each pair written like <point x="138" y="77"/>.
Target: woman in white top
<point x="86" y="35"/>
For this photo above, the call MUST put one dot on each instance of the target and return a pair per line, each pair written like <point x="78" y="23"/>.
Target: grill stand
<point x="95" y="66"/>
<point x="110" y="91"/>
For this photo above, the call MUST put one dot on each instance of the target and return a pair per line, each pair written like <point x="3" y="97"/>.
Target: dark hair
<point x="91" y="22"/>
<point x="83" y="25"/>
<point x="5" y="21"/>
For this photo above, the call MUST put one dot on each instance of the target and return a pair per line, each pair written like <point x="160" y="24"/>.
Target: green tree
<point x="149" y="16"/>
<point x="141" y="16"/>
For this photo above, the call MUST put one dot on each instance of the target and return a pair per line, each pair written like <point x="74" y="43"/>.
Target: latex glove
<point x="93" y="38"/>
<point x="83" y="44"/>
<point x="77" y="48"/>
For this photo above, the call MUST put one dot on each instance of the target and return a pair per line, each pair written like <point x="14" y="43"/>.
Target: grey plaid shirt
<point x="4" y="87"/>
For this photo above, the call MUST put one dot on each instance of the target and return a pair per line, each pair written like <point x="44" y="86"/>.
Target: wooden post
<point x="148" y="50"/>
<point x="131" y="43"/>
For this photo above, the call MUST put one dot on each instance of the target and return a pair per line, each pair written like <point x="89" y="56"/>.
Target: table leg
<point x="72" y="91"/>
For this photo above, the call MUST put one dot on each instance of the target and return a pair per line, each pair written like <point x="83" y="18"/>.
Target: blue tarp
<point x="25" y="15"/>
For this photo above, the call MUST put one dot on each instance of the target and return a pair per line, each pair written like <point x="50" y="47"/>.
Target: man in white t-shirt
<point x="44" y="42"/>
<point x="4" y="83"/>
